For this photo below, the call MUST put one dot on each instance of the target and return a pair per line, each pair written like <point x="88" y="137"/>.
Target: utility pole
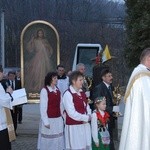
<point x="2" y="40"/>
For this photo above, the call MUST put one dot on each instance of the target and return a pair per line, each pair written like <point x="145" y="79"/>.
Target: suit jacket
<point x="102" y="90"/>
<point x="5" y="83"/>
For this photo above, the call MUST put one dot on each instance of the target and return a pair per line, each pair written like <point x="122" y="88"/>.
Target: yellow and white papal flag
<point x="106" y="54"/>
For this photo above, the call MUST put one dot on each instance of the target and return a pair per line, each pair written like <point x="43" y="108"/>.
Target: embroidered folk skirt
<point x="53" y="138"/>
<point x="101" y="145"/>
<point x="78" y="137"/>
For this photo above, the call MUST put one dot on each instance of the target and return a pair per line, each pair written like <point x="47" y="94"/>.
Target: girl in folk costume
<point x="77" y="115"/>
<point x="100" y="118"/>
<point x="51" y="136"/>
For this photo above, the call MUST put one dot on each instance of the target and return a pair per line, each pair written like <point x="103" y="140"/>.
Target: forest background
<point x="77" y="21"/>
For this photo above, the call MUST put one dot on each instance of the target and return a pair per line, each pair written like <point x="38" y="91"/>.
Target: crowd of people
<point x="68" y="122"/>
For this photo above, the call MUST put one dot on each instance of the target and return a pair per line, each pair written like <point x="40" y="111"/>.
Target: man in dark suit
<point x="15" y="85"/>
<point x="19" y="107"/>
<point x="105" y="89"/>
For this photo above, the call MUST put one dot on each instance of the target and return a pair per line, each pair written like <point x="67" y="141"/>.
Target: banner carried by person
<point x="106" y="54"/>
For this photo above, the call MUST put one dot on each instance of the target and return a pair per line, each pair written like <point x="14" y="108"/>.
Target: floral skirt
<point x="101" y="146"/>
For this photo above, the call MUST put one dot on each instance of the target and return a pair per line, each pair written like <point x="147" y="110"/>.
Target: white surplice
<point x="77" y="137"/>
<point x="53" y="138"/>
<point x="63" y="85"/>
<point x="5" y="102"/>
<point x="136" y="125"/>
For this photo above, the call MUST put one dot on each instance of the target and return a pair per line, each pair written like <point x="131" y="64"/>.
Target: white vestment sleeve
<point x="62" y="107"/>
<point x="62" y="110"/>
<point x="43" y="106"/>
<point x="70" y="109"/>
<point x="88" y="109"/>
<point x="5" y="99"/>
<point x="94" y="128"/>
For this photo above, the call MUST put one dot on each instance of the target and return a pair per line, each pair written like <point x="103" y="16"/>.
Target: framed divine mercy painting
<point x="40" y="54"/>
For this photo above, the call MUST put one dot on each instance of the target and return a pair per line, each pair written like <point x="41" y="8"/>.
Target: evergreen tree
<point x="138" y="29"/>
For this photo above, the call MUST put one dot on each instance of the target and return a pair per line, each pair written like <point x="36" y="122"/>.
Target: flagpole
<point x="2" y="39"/>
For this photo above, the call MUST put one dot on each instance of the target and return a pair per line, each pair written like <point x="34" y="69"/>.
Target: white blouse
<point x="94" y="126"/>
<point x="70" y="109"/>
<point x="44" y="103"/>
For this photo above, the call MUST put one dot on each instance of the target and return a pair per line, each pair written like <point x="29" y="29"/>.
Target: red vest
<point x="53" y="108"/>
<point x="80" y="104"/>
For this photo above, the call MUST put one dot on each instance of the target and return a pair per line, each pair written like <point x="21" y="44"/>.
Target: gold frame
<point x="22" y="51"/>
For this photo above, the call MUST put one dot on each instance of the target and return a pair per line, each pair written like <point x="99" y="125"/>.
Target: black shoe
<point x="20" y="122"/>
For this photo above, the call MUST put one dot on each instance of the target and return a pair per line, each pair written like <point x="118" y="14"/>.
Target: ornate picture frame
<point x="40" y="53"/>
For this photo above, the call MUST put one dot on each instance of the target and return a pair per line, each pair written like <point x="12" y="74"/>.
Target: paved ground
<point x="28" y="130"/>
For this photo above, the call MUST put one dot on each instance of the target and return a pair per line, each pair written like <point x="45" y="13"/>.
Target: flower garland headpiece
<point x="99" y="99"/>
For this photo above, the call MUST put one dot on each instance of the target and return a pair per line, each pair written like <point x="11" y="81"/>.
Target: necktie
<point x="110" y="91"/>
<point x="12" y="85"/>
